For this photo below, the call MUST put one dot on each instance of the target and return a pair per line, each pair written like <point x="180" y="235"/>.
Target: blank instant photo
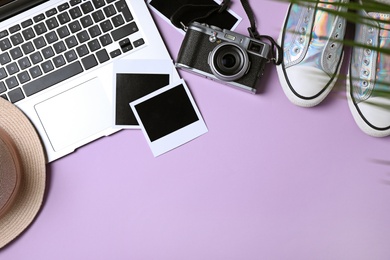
<point x="166" y="8"/>
<point x="169" y="117"/>
<point x="134" y="79"/>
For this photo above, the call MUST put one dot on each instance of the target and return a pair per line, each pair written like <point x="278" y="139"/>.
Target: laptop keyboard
<point x="61" y="43"/>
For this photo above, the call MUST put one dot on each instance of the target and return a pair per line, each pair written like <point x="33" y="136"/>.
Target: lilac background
<point x="268" y="181"/>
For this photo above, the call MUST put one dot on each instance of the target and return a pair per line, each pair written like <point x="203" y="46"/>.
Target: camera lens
<point x="228" y="62"/>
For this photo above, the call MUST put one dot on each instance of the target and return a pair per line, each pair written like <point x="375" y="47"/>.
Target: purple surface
<point x="268" y="181"/>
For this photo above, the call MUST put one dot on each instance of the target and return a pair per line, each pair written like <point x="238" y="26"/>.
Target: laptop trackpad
<point x="74" y="116"/>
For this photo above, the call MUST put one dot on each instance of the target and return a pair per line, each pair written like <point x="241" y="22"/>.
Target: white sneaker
<point x="312" y="51"/>
<point x="368" y="83"/>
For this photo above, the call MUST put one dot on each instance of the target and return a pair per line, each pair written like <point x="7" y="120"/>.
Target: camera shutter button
<point x="213" y="38"/>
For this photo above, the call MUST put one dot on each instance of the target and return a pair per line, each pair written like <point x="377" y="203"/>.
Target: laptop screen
<point x="10" y="8"/>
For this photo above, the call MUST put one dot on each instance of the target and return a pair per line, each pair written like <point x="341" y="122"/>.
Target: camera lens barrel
<point x="229" y="61"/>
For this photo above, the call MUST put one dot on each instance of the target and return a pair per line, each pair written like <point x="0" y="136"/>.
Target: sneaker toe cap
<point x="376" y="111"/>
<point x="307" y="82"/>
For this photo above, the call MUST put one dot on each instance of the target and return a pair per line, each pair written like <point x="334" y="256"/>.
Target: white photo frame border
<point x="178" y="137"/>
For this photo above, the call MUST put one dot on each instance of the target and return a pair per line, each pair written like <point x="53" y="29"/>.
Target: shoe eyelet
<point x="369" y="42"/>
<point x="301" y="39"/>
<point x="306" y="19"/>
<point x="296" y="50"/>
<point x="366" y="73"/>
<point x="367" y="51"/>
<point x="366" y="62"/>
<point x="340" y="25"/>
<point x="336" y="36"/>
<point x="333" y="45"/>
<point x="329" y="56"/>
<point x="302" y="30"/>
<point x="364" y="83"/>
<point x="371" y="30"/>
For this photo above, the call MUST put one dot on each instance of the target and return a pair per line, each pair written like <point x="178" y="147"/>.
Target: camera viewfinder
<point x="255" y="47"/>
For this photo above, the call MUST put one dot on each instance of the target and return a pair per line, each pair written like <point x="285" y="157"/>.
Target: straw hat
<point x="22" y="172"/>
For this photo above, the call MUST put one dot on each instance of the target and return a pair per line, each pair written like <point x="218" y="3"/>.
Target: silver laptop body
<point x="56" y="64"/>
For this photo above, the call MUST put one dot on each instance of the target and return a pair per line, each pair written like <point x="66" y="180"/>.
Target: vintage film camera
<point x="223" y="55"/>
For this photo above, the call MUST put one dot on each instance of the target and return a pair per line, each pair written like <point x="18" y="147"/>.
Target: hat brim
<point x="32" y="187"/>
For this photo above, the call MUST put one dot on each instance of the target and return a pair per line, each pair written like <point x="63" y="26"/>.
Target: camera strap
<point x="206" y="11"/>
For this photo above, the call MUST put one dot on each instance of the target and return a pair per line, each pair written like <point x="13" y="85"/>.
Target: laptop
<point x="56" y="62"/>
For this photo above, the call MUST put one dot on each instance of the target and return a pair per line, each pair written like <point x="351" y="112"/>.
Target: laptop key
<point x="63" y="32"/>
<point x="82" y="36"/>
<point x="117" y="20"/>
<point x="63" y="7"/>
<point x="74" y="2"/>
<point x="86" y="21"/>
<point x="105" y="39"/>
<point x="59" y="61"/>
<point x="63" y="18"/>
<point x="36" y="57"/>
<point x="35" y="72"/>
<point x="70" y="55"/>
<point x="12" y="68"/>
<point x="59" y="47"/>
<point x="138" y="42"/>
<point x="39" y="42"/>
<point x="97" y="16"/>
<point x="124" y="9"/>
<point x="125" y="45"/>
<point x="53" y="78"/>
<point x="14" y="28"/>
<point x="40" y="28"/>
<point x="16" y="53"/>
<point x="75" y="12"/>
<point x="71" y="41"/>
<point x="82" y="50"/>
<point x="51" y="12"/>
<point x="28" y="34"/>
<point x="115" y="53"/>
<point x="23" y="77"/>
<point x="124" y="31"/>
<point x="94" y="31"/>
<point x="52" y="23"/>
<point x="11" y="82"/>
<point x="89" y="62"/>
<point x="38" y="17"/>
<point x="94" y="45"/>
<point x="47" y="66"/>
<point x="27" y="48"/>
<point x="2" y="87"/>
<point x="98" y="3"/>
<point x="106" y="25"/>
<point x="102" y="56"/>
<point x="5" y="44"/>
<point x="3" y="74"/>
<point x="26" y="23"/>
<point x="51" y="37"/>
<point x="3" y="34"/>
<point x="24" y="63"/>
<point x="109" y="10"/>
<point x="4" y="58"/>
<point x="74" y="26"/>
<point x="87" y="7"/>
<point x="16" y="39"/>
<point x="15" y="95"/>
